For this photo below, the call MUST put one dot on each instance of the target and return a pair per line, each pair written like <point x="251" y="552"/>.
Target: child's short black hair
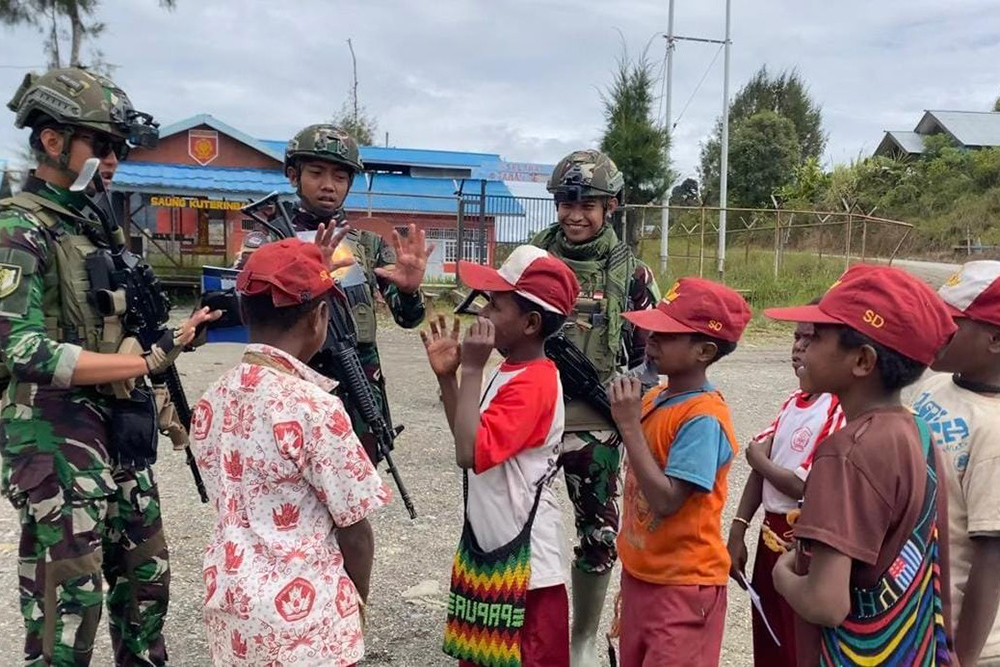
<point x="551" y="322"/>
<point x="895" y="370"/>
<point x="722" y="347"/>
<point x="259" y="310"/>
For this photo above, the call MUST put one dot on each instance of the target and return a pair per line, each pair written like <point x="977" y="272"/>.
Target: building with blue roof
<point x="183" y="198"/>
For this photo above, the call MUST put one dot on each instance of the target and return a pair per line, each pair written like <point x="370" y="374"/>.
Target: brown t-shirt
<point x="863" y="498"/>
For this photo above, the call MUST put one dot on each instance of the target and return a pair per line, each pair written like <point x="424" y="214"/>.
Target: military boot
<point x="589" y="591"/>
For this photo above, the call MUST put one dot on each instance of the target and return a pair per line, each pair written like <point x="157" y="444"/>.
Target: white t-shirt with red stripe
<point x="804" y="421"/>
<point x="517" y="445"/>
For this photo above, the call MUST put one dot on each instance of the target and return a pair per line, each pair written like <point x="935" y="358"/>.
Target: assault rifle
<point x="580" y="378"/>
<point x="339" y="357"/>
<point x="146" y="307"/>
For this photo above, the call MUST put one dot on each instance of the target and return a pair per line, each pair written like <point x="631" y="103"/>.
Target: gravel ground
<point x="413" y="559"/>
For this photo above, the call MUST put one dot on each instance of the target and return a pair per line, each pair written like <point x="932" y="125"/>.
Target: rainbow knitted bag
<point x="488" y="592"/>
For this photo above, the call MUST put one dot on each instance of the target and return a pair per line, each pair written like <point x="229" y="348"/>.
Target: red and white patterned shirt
<point x="803" y="422"/>
<point x="284" y="471"/>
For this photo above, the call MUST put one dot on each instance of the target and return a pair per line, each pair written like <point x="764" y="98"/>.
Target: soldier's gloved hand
<point x="164" y="352"/>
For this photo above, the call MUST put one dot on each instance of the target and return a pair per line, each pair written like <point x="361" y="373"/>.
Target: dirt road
<point x="413" y="558"/>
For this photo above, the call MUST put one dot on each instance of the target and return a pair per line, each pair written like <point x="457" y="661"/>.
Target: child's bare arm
<point x="449" y="398"/>
<point x="982" y="598"/>
<point x="476" y="349"/>
<point x="783" y="479"/>
<point x="357" y="544"/>
<point x="823" y="596"/>
<point x="749" y="502"/>
<point x="466" y="420"/>
<point x="664" y="494"/>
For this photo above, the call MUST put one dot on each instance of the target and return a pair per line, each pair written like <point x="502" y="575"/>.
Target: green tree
<point x="996" y="104"/>
<point x="356" y="121"/>
<point x="763" y="155"/>
<point x="633" y="138"/>
<point x="808" y="185"/>
<point x="785" y="94"/>
<point x="59" y="21"/>
<point x="686" y="193"/>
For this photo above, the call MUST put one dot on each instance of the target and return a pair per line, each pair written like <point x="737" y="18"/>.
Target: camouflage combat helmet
<point x="324" y="142"/>
<point x="582" y="174"/>
<point x="75" y="97"/>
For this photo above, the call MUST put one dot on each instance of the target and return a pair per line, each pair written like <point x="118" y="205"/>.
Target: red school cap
<point x="291" y="270"/>
<point x="531" y="272"/>
<point x="886" y="304"/>
<point x="974" y="292"/>
<point x="696" y="305"/>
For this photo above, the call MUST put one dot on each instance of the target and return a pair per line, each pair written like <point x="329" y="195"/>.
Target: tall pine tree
<point x="634" y="138"/>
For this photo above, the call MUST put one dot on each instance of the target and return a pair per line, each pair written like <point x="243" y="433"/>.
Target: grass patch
<point x="801" y="276"/>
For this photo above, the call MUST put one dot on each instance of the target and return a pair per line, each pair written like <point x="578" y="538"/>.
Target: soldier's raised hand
<point x="412" y="252"/>
<point x="443" y="349"/>
<point x="327" y="239"/>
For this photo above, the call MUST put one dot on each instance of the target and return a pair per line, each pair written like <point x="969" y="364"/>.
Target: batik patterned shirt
<point x="284" y="470"/>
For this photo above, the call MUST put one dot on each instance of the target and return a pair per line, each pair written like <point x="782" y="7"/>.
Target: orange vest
<point x="686" y="548"/>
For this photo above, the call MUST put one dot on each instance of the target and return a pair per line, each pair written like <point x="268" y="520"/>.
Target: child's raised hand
<point x="625" y="394"/>
<point x="443" y="349"/>
<point x="477" y="346"/>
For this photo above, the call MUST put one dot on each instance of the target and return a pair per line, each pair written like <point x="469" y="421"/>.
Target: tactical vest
<point x="69" y="315"/>
<point x="361" y="295"/>
<point x="589" y="325"/>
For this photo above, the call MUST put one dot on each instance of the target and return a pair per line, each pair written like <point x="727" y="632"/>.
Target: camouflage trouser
<point x="67" y="539"/>
<point x="592" y="464"/>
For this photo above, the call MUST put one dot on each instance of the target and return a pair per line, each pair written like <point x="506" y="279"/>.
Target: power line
<point x="697" y="88"/>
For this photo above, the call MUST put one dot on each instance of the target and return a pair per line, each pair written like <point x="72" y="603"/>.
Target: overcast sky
<point x="523" y="77"/>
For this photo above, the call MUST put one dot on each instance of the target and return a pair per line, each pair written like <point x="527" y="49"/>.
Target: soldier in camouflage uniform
<point x="81" y="510"/>
<point x="586" y="185"/>
<point x="321" y="162"/>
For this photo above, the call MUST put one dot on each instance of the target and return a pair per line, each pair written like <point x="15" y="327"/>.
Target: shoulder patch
<point x="10" y="279"/>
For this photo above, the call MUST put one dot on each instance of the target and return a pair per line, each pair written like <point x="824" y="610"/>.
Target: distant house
<point x="968" y="129"/>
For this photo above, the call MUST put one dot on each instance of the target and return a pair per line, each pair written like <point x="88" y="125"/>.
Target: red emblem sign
<point x="295" y="601"/>
<point x="203" y="146"/>
<point x="801" y="438"/>
<point x="201" y="419"/>
<point x="290" y="438"/>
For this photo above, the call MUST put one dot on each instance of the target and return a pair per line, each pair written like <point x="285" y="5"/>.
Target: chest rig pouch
<point x="589" y="326"/>
<point x="69" y="303"/>
<point x="356" y="286"/>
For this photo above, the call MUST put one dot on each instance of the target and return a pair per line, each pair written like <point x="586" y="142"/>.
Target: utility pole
<point x="724" y="153"/>
<point x="665" y="210"/>
<point x="354" y="87"/>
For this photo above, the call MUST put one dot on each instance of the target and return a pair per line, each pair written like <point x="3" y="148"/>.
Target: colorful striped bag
<point x="899" y="620"/>
<point x="488" y="592"/>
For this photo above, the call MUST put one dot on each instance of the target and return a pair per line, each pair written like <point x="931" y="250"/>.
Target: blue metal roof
<point x="389" y="192"/>
<point x="179" y="179"/>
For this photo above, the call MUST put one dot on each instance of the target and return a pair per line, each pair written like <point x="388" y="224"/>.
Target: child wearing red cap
<point x="287" y="568"/>
<point x="780" y="457"/>
<point x="962" y="407"/>
<point x="508" y="601"/>
<point x="680" y="443"/>
<point x="868" y="577"/>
